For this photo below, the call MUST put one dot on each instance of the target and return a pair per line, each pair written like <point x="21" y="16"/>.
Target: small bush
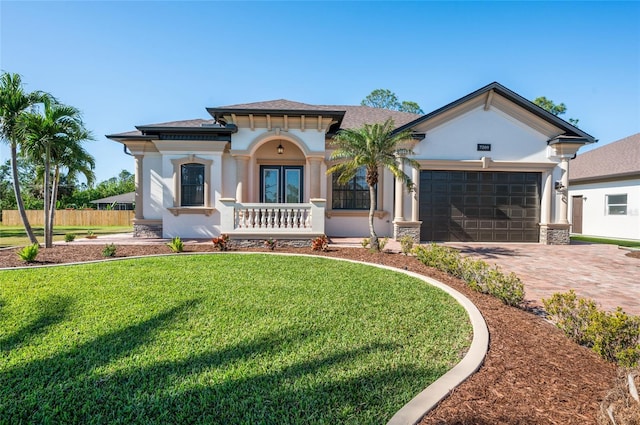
<point x="365" y="242"/>
<point x="382" y="243"/>
<point x="321" y="243"/>
<point x="221" y="242"/>
<point x="406" y="244"/>
<point x="614" y="336"/>
<point x="270" y="244"/>
<point x="91" y="235"/>
<point x="29" y="253"/>
<point x="69" y="237"/>
<point x="572" y="315"/>
<point x="477" y="274"/>
<point x="109" y="250"/>
<point x="176" y="244"/>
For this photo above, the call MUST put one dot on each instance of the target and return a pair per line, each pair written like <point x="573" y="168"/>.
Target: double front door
<point x="280" y="184"/>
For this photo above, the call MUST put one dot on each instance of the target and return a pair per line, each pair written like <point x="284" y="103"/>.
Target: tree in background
<point x="549" y="106"/>
<point x="386" y="99"/>
<point x="14" y="103"/>
<point x="372" y="146"/>
<point x="123" y="183"/>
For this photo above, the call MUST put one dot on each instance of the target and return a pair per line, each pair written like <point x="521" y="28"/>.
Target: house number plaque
<point x="485" y="147"/>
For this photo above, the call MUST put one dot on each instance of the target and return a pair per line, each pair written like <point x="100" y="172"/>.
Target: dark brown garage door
<point x="479" y="206"/>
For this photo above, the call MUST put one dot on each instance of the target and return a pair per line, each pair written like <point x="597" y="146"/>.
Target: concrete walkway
<point x="597" y="271"/>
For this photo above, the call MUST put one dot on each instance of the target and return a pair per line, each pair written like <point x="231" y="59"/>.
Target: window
<point x="192" y="185"/>
<point x="617" y="204"/>
<point x="351" y="196"/>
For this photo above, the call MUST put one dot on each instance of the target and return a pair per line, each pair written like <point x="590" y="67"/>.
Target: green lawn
<point x="15" y="235"/>
<point x="619" y="242"/>
<point x="220" y="339"/>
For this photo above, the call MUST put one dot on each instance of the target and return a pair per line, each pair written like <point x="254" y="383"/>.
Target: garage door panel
<point x="480" y="206"/>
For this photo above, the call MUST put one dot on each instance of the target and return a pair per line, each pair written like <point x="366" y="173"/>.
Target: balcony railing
<point x="270" y="219"/>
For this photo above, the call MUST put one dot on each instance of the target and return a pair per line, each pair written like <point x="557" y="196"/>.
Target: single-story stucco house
<point x="604" y="188"/>
<point x="124" y="201"/>
<point x="493" y="167"/>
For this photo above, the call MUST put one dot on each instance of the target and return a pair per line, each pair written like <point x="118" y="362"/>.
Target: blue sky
<point x="131" y="63"/>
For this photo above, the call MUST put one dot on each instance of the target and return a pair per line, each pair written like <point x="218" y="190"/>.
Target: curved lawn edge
<point x="427" y="399"/>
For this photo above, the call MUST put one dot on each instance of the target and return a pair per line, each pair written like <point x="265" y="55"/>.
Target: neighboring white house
<point x="604" y="186"/>
<point x="492" y="168"/>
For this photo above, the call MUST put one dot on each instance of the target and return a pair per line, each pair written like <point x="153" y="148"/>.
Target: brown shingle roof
<point x="617" y="159"/>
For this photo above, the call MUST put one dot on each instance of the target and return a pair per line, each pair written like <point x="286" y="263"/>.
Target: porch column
<point x="415" y="200"/>
<point x="242" y="177"/>
<point x="545" y="203"/>
<point x="564" y="202"/>
<point x="315" y="176"/>
<point x="139" y="186"/>
<point x="399" y="202"/>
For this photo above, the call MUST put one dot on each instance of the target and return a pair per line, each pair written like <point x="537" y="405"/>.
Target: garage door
<point x="479" y="206"/>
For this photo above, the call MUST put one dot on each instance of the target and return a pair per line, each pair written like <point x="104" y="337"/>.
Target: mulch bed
<point x="531" y="375"/>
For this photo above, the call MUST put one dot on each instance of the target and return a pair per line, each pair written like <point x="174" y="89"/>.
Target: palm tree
<point x="373" y="146"/>
<point x="47" y="136"/>
<point x="14" y="103"/>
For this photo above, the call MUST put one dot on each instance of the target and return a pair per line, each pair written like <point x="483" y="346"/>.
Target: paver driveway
<point x="597" y="271"/>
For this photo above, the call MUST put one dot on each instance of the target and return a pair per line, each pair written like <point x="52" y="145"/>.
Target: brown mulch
<point x="531" y="375"/>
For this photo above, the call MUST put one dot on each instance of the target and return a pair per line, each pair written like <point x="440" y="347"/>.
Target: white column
<point x="415" y="199"/>
<point x="399" y="204"/>
<point x="545" y="202"/>
<point x="139" y="185"/>
<point x="564" y="202"/>
<point x="242" y="177"/>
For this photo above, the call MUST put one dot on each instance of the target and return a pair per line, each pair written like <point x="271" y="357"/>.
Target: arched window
<point x="192" y="185"/>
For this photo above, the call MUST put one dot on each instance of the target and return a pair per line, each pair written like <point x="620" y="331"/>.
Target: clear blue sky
<point x="131" y="63"/>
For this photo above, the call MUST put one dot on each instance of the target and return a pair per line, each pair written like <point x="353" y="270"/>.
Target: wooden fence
<point x="72" y="218"/>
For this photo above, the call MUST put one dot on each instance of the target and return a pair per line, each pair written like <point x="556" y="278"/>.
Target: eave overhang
<point x="488" y="92"/>
<point x="231" y="114"/>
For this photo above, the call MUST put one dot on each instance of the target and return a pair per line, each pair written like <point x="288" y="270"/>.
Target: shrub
<point x="221" y="242"/>
<point x="29" y="253"/>
<point x="614" y="336"/>
<point x="477" y="274"/>
<point x="365" y="242"/>
<point x="382" y="243"/>
<point x="109" y="250"/>
<point x="69" y="237"/>
<point x="321" y="243"/>
<point x="91" y="235"/>
<point x="406" y="244"/>
<point x="270" y="244"/>
<point x="572" y="315"/>
<point x="176" y="244"/>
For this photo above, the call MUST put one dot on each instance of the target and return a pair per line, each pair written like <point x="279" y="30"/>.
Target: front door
<point x="280" y="184"/>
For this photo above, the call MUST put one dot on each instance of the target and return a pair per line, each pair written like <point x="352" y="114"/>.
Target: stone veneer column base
<point x="407" y="228"/>
<point x="147" y="228"/>
<point x="555" y="234"/>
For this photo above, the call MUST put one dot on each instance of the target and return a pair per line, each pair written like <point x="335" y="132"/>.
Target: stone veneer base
<point x="407" y="228"/>
<point x="555" y="234"/>
<point x="147" y="230"/>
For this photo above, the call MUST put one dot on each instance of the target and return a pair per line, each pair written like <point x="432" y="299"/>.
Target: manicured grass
<point x="220" y="339"/>
<point x="619" y="242"/>
<point x="15" y="235"/>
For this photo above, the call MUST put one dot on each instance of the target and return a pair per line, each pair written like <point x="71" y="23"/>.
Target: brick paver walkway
<point x="597" y="271"/>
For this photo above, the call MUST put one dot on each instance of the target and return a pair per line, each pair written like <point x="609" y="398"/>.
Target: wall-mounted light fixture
<point x="280" y="149"/>
<point x="558" y="185"/>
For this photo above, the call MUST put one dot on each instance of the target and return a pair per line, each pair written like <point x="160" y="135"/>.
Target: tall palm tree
<point x="14" y="103"/>
<point x="47" y="134"/>
<point x="373" y="146"/>
<point x="76" y="160"/>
